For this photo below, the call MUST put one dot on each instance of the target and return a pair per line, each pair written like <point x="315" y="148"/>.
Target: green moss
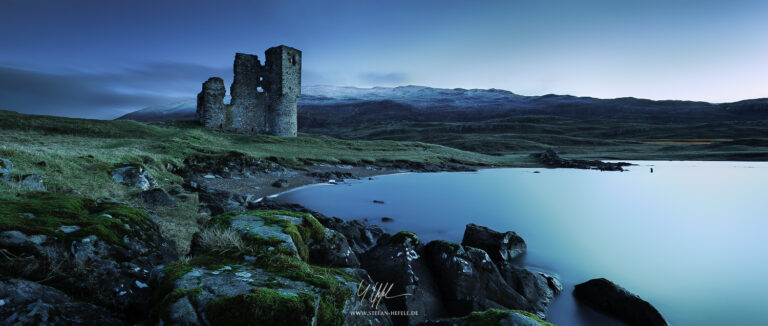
<point x="447" y="244"/>
<point x="259" y="243"/>
<point x="402" y="236"/>
<point x="331" y="309"/>
<point x="492" y="317"/>
<point x="80" y="153"/>
<point x="175" y="270"/>
<point x="290" y="267"/>
<point x="262" y="307"/>
<point x="309" y="228"/>
<point x="214" y="262"/>
<point x="51" y="211"/>
<point x="295" y="269"/>
<point x="272" y="283"/>
<point x="221" y="221"/>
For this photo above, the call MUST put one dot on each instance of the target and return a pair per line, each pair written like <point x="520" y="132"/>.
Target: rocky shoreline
<point x="232" y="182"/>
<point x="70" y="260"/>
<point x="552" y="159"/>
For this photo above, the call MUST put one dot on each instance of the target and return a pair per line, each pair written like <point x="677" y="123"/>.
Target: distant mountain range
<point x="333" y="106"/>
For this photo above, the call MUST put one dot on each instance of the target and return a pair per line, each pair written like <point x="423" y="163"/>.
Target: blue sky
<point x="102" y="59"/>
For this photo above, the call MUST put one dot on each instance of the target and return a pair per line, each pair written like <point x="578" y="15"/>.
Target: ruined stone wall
<point x="284" y="66"/>
<point x="210" y="103"/>
<point x="263" y="96"/>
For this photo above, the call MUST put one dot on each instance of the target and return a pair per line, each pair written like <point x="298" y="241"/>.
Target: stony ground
<point x="125" y="223"/>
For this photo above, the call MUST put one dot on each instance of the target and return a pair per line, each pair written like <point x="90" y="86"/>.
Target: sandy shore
<point x="263" y="185"/>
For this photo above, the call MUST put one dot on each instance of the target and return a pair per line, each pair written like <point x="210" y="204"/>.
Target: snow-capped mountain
<point x="419" y="96"/>
<point x="182" y="110"/>
<point x="322" y="106"/>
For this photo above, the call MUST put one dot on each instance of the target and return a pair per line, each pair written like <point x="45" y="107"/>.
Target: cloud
<point x="382" y="79"/>
<point x="101" y="95"/>
<point x="108" y="95"/>
<point x="310" y="77"/>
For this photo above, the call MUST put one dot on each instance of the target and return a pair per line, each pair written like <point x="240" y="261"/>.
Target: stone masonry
<point x="263" y="96"/>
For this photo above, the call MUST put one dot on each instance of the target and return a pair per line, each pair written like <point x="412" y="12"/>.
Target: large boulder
<point x="135" y="177"/>
<point x="332" y="250"/>
<point x="398" y="261"/>
<point x="28" y="303"/>
<point x="537" y="287"/>
<point x="360" y="235"/>
<point x="492" y="317"/>
<point x="262" y="277"/>
<point x="101" y="252"/>
<point x="6" y="167"/>
<point x="254" y="293"/>
<point x="501" y="247"/>
<point x="469" y="280"/>
<point x="280" y="231"/>
<point x="612" y="299"/>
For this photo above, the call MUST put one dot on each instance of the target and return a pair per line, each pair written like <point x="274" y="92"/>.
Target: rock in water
<point x="6" y="167"/>
<point x="469" y="281"/>
<point x="361" y="236"/>
<point x="156" y="197"/>
<point x="612" y="299"/>
<point x="32" y="181"/>
<point x="502" y="247"/>
<point x="332" y="250"/>
<point x="399" y="261"/>
<point x="537" y="287"/>
<point x="135" y="177"/>
<point x="552" y="159"/>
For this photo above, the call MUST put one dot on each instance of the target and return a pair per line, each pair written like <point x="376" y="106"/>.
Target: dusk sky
<point x="102" y="59"/>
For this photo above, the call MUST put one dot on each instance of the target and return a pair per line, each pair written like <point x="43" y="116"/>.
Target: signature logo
<point x="374" y="293"/>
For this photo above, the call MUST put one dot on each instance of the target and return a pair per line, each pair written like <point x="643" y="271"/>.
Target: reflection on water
<point x="689" y="237"/>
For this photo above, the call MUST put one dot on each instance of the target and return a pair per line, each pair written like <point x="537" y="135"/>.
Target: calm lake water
<point x="691" y="238"/>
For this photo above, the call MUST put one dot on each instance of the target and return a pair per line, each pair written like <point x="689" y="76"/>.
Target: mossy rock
<point x="300" y="227"/>
<point x="403" y="236"/>
<point x="46" y="213"/>
<point x="226" y="291"/>
<point x="262" y="307"/>
<point x="95" y="251"/>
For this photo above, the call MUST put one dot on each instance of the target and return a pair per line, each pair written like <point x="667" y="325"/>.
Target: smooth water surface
<point x="691" y="237"/>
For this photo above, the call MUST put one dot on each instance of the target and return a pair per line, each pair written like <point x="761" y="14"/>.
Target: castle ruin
<point x="263" y="96"/>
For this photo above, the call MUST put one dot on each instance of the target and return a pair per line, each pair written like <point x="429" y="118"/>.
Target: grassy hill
<point x="79" y="153"/>
<point x="601" y="138"/>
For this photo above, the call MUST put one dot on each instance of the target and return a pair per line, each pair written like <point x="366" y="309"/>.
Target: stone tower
<point x="263" y="96"/>
<point x="284" y="66"/>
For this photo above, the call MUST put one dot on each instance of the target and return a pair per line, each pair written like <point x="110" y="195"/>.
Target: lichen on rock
<point x="94" y="251"/>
